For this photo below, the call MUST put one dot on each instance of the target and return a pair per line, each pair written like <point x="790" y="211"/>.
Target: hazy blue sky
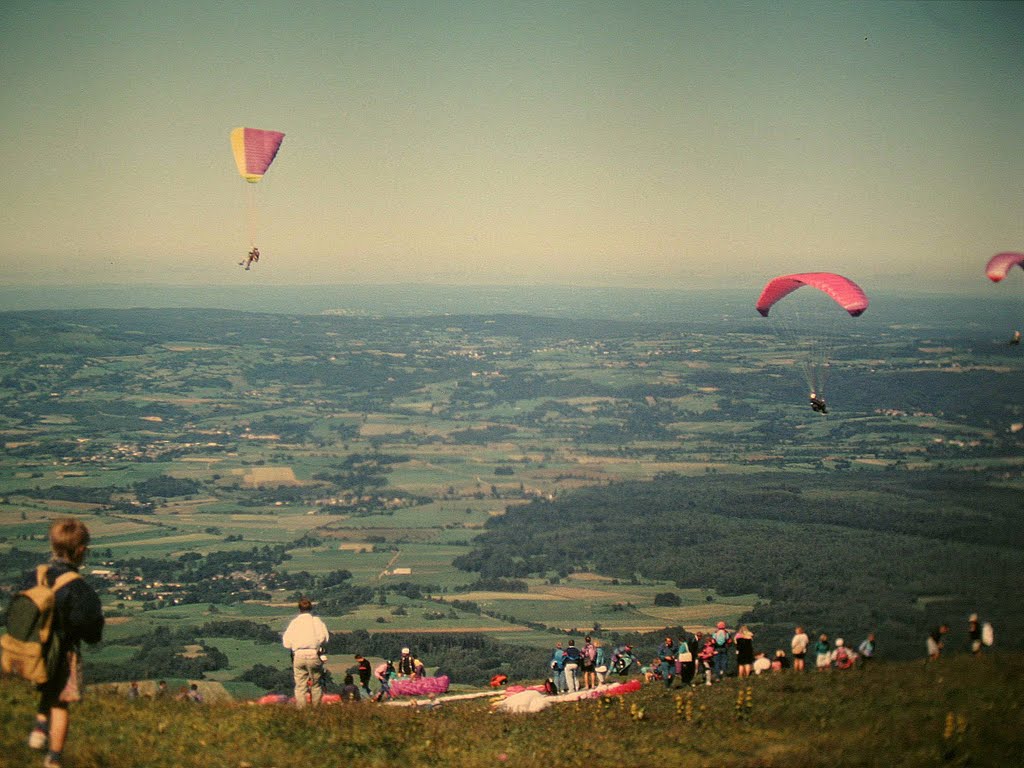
<point x="587" y="143"/>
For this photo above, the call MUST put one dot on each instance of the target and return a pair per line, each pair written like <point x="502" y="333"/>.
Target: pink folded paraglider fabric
<point x="623" y="688"/>
<point x="1000" y="265"/>
<point x="520" y="688"/>
<point x="421" y="686"/>
<point x="846" y="293"/>
<point x="274" y="698"/>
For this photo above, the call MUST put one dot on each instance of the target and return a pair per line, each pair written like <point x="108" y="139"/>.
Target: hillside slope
<point x="958" y="711"/>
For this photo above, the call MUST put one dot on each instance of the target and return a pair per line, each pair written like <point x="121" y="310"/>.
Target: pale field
<point x="270" y="476"/>
<point x="175" y="540"/>
<point x="489" y="597"/>
<point x="577" y="593"/>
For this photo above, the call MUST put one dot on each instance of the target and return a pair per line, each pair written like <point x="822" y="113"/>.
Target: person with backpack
<point x="589" y="663"/>
<point x="573" y="657"/>
<point x="841" y="656"/>
<point x="600" y="663"/>
<point x="866" y="650"/>
<point x="557" y="665"/>
<point x="406" y="666"/>
<point x="722" y="640"/>
<point x="77" y="615"/>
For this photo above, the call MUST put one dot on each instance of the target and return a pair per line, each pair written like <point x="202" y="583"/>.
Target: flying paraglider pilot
<point x="251" y="257"/>
<point x="1015" y="339"/>
<point x="818" y="403"/>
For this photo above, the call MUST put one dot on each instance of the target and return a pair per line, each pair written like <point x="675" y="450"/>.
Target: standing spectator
<point x="822" y="653"/>
<point x="365" y="670"/>
<point x="194" y="695"/>
<point x="866" y="650"/>
<point x="745" y="651"/>
<point x="667" y="661"/>
<point x="133" y="690"/>
<point x="686" y="658"/>
<point x="974" y="633"/>
<point x="558" y="668"/>
<point x="304" y="637"/>
<point x="78" y="616"/>
<point x="722" y="640"/>
<point x="600" y="662"/>
<point x="936" y="642"/>
<point x="798" y="647"/>
<point x="706" y="659"/>
<point x="571" y="667"/>
<point x="161" y="689"/>
<point x="589" y="663"/>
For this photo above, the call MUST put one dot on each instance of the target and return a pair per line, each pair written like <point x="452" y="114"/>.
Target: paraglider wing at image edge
<point x="999" y="266"/>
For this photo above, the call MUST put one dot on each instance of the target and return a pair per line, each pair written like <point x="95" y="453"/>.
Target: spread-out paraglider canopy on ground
<point x="254" y="150"/>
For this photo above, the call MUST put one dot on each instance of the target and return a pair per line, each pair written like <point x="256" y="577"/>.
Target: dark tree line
<point x="869" y="552"/>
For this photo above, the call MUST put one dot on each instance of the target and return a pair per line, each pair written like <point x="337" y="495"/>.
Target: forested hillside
<point x="847" y="555"/>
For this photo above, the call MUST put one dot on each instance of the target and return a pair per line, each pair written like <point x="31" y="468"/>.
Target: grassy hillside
<point x="958" y="711"/>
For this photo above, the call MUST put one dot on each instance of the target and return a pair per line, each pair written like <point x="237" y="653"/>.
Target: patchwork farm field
<point x="224" y="474"/>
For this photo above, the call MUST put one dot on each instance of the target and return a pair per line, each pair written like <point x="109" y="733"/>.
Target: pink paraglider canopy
<point x="846" y="293"/>
<point x="1000" y="265"/>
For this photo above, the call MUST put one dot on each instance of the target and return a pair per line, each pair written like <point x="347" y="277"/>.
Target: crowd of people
<point x="706" y="657"/>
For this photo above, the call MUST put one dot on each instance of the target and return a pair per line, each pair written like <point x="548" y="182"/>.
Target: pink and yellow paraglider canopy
<point x="254" y="151"/>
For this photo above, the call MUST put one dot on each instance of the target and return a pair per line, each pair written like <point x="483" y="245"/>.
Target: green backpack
<point x="31" y="647"/>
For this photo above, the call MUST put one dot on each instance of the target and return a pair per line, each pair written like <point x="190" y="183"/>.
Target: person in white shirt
<point x="305" y="636"/>
<point x="798" y="646"/>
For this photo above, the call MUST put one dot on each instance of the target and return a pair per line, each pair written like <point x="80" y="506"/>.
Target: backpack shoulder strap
<point x="58" y="583"/>
<point x="64" y="579"/>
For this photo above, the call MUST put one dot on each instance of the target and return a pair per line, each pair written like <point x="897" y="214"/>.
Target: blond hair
<point x="68" y="539"/>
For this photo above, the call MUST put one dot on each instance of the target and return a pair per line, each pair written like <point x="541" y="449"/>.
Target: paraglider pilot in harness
<point x="818" y="403"/>
<point x="252" y="256"/>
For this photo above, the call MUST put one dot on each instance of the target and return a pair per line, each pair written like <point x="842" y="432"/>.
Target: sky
<point x="662" y="144"/>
